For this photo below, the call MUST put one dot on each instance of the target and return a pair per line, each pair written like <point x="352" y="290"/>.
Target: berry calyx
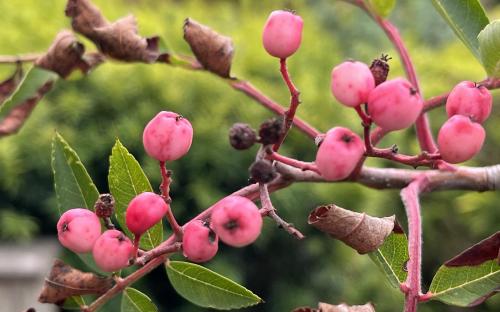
<point x="167" y="136"/>
<point x="242" y="136"/>
<point x="112" y="251"/>
<point x="199" y="242"/>
<point x="236" y="220"/>
<point x="282" y="33"/>
<point x="352" y="83"/>
<point x="78" y="229"/>
<point x="380" y="69"/>
<point x="339" y="153"/>
<point x="471" y="100"/>
<point x="144" y="211"/>
<point x="394" y="104"/>
<point x="460" y="139"/>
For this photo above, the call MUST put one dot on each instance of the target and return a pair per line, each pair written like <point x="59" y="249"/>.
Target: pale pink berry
<point x="236" y="220"/>
<point x="339" y="153"/>
<point x="167" y="136"/>
<point x="78" y="229"/>
<point x="471" y="100"/>
<point x="144" y="211"/>
<point x="112" y="251"/>
<point x="282" y="33"/>
<point x="394" y="104"/>
<point x="460" y="139"/>
<point x="352" y="83"/>
<point x="199" y="242"/>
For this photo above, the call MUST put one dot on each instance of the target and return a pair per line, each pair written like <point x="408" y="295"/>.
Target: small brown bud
<point x="380" y="69"/>
<point x="262" y="171"/>
<point x="104" y="206"/>
<point x="271" y="131"/>
<point x="242" y="136"/>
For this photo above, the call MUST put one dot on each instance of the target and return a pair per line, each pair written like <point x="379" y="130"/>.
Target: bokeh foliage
<point x="118" y="99"/>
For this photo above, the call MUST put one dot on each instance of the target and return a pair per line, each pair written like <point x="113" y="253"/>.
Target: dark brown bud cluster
<point x="271" y="131"/>
<point x="262" y="171"/>
<point x="242" y="136"/>
<point x="104" y="206"/>
<point x="380" y="68"/>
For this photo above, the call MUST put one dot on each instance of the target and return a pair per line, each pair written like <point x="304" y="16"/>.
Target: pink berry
<point x="282" y="33"/>
<point x="470" y="100"/>
<point x="394" y="104"/>
<point x="144" y="211"/>
<point x="78" y="229"/>
<point x="352" y="83"/>
<point x="339" y="153"/>
<point x="460" y="139"/>
<point x="167" y="136"/>
<point x="112" y="251"/>
<point x="236" y="220"/>
<point x="199" y="242"/>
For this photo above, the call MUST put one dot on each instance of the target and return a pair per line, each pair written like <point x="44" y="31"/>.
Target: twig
<point x="166" y="179"/>
<point x="292" y="162"/>
<point x="269" y="210"/>
<point x="155" y="252"/>
<point x="29" y="57"/>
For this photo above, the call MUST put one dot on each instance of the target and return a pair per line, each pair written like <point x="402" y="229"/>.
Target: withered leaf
<point x="325" y="307"/>
<point x="67" y="54"/>
<point x="213" y="50"/>
<point x="358" y="230"/>
<point x="18" y="115"/>
<point x="65" y="281"/>
<point x="9" y="85"/>
<point x="119" y="40"/>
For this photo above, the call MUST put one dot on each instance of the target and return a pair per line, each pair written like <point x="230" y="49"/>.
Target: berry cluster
<point x="168" y="136"/>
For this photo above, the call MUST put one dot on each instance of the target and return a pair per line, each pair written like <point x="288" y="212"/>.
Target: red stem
<point x="247" y="88"/>
<point x="294" y="103"/>
<point x="410" y="197"/>
<point x="293" y="162"/>
<point x="166" y="179"/>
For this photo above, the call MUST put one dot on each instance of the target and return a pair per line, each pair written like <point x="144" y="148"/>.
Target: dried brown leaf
<point x="358" y="230"/>
<point x="213" y="50"/>
<point x="119" y="40"/>
<point x="18" y="115"/>
<point x="67" y="54"/>
<point x="65" y="281"/>
<point x="325" y="307"/>
<point x="9" y="85"/>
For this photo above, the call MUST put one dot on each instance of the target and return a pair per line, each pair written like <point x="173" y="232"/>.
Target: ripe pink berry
<point x="199" y="242"/>
<point x="112" y="251"/>
<point x="394" y="104"/>
<point x="470" y="100"/>
<point x="144" y="211"/>
<point x="282" y="33"/>
<point x="167" y="136"/>
<point x="78" y="229"/>
<point x="236" y="220"/>
<point x="460" y="139"/>
<point x="352" y="83"/>
<point x="339" y="153"/>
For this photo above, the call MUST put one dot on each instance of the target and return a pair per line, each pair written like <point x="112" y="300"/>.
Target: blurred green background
<point x="118" y="99"/>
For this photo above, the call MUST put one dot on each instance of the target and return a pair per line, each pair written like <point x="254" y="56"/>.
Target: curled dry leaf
<point x="8" y="86"/>
<point x="119" y="40"/>
<point x="67" y="54"/>
<point x="65" y="281"/>
<point x="18" y="115"/>
<point x="213" y="50"/>
<point x="358" y="230"/>
<point x="325" y="307"/>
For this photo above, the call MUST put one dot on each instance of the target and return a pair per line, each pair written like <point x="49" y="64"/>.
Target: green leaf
<point x="135" y="301"/>
<point x="382" y="7"/>
<point x="471" y="277"/>
<point x="73" y="185"/>
<point x="489" y="47"/>
<point x="126" y="180"/>
<point x="207" y="288"/>
<point x="74" y="303"/>
<point x="466" y="17"/>
<point x="33" y="81"/>
<point x="392" y="256"/>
